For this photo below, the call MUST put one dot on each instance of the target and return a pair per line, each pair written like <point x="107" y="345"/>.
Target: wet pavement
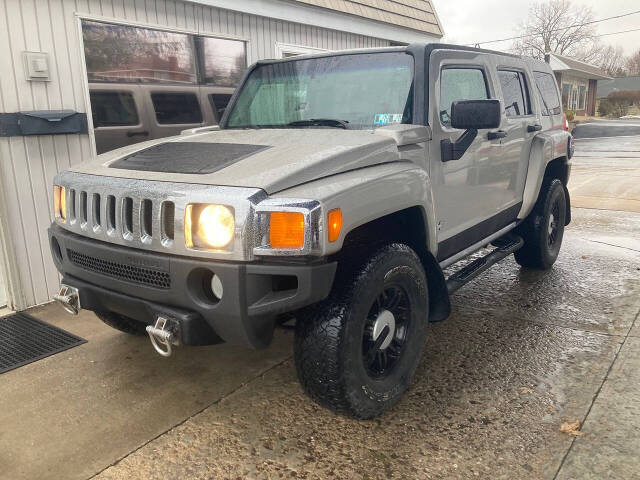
<point x="523" y="353"/>
<point x="606" y="128"/>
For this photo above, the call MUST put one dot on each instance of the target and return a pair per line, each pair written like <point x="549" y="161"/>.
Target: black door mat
<point x="25" y="339"/>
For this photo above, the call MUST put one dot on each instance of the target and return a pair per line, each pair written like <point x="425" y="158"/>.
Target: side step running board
<point x="505" y="247"/>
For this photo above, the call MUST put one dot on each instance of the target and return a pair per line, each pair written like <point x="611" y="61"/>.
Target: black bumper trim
<point x="246" y="313"/>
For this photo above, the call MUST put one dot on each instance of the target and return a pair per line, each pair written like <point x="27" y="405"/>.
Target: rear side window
<point x="176" y="108"/>
<point x="547" y="88"/>
<point x="515" y="93"/>
<point x="460" y="84"/>
<point x="219" y="102"/>
<point x="113" y="109"/>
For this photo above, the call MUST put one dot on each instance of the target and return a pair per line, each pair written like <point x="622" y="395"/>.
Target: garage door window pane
<point x="112" y="109"/>
<point x="122" y="53"/>
<point x="224" y="61"/>
<point x="460" y="84"/>
<point x="176" y="108"/>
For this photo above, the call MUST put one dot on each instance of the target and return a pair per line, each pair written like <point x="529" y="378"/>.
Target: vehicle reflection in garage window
<point x="224" y="61"/>
<point x="176" y="108"/>
<point x="219" y="102"/>
<point x="113" y="109"/>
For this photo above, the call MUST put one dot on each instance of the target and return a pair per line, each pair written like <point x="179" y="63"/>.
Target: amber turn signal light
<point x="286" y="230"/>
<point x="334" y="221"/>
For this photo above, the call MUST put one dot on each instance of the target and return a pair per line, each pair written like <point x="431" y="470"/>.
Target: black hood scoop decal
<point x="187" y="157"/>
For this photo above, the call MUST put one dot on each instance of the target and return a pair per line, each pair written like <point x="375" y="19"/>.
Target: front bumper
<point x="143" y="285"/>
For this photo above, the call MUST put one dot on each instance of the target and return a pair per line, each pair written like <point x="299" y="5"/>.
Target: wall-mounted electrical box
<point x="36" y="66"/>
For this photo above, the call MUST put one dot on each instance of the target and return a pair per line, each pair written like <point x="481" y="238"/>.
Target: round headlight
<point x="216" y="226"/>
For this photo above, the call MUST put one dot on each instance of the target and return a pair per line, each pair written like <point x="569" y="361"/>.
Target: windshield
<point x="360" y="91"/>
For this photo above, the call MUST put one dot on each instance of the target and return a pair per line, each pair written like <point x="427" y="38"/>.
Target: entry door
<point x="465" y="191"/>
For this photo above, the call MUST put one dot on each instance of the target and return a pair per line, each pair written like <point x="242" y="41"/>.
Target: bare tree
<point x="633" y="64"/>
<point x="610" y="59"/>
<point x="557" y="27"/>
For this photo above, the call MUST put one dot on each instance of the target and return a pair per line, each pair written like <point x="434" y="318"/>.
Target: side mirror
<point x="475" y="114"/>
<point x="471" y="116"/>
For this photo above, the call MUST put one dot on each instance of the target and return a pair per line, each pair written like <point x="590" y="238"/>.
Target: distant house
<point x="578" y="82"/>
<point x="620" y="84"/>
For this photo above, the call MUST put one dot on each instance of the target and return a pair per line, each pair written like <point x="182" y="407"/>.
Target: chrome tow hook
<point x="163" y="336"/>
<point x="69" y="298"/>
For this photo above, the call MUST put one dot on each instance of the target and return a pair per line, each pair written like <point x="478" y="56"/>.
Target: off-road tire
<point x="539" y="251"/>
<point x="122" y="323"/>
<point x="329" y="336"/>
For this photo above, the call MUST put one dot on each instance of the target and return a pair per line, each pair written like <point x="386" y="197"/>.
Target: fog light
<point x="216" y="287"/>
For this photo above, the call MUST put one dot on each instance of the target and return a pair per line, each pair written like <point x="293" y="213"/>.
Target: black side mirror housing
<point x="476" y="114"/>
<point x="471" y="116"/>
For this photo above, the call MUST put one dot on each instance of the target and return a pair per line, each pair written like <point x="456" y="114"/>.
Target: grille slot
<point x="95" y="208"/>
<point x="111" y="213"/>
<point x="168" y="215"/>
<point x="146" y="220"/>
<point x="127" y="218"/>
<point x="131" y="273"/>
<point x="83" y="208"/>
<point x="72" y="205"/>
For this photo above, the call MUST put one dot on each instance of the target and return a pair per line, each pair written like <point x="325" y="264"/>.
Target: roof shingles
<point x="414" y="14"/>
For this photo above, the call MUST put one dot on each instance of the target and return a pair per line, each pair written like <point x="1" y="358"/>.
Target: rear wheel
<point x="122" y="323"/>
<point x="543" y="229"/>
<point x="357" y="351"/>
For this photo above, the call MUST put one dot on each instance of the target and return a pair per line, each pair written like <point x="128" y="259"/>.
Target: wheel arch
<point x="547" y="160"/>
<point x="411" y="227"/>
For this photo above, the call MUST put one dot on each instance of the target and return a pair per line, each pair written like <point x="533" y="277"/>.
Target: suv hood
<point x="270" y="159"/>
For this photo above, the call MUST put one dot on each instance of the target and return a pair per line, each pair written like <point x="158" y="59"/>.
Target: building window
<point x="223" y="61"/>
<point x="128" y="54"/>
<point x="582" y="97"/>
<point x="287" y="50"/>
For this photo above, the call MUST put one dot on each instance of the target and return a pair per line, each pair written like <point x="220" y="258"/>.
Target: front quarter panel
<point x="367" y="194"/>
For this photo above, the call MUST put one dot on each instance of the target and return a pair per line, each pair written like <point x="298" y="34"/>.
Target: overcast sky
<point x="470" y="21"/>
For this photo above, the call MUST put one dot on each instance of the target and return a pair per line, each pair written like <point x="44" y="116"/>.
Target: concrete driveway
<point x="523" y="354"/>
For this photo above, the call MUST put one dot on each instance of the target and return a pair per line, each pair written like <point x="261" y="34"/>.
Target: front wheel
<point x="543" y="229"/>
<point x="356" y="352"/>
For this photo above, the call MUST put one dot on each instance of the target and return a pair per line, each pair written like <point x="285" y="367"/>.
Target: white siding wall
<point x="28" y="164"/>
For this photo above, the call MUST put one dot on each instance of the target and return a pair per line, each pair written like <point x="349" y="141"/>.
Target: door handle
<point x="534" y="128"/>
<point x="141" y="133"/>
<point x="496" y="135"/>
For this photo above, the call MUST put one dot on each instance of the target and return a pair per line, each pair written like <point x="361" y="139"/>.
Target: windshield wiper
<point x="320" y="122"/>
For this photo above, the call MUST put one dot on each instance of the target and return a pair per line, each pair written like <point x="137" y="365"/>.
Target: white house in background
<point x="150" y="68"/>
<point x="578" y="82"/>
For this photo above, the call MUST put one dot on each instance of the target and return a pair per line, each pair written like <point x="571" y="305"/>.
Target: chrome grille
<point x="149" y="215"/>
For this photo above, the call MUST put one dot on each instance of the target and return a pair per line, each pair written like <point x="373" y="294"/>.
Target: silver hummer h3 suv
<point x="335" y="191"/>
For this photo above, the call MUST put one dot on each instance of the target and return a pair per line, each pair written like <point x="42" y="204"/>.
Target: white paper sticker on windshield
<point x="382" y="119"/>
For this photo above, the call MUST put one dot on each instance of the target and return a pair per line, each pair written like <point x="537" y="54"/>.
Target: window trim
<point x="282" y="48"/>
<point x="455" y="66"/>
<point x="524" y="88"/>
